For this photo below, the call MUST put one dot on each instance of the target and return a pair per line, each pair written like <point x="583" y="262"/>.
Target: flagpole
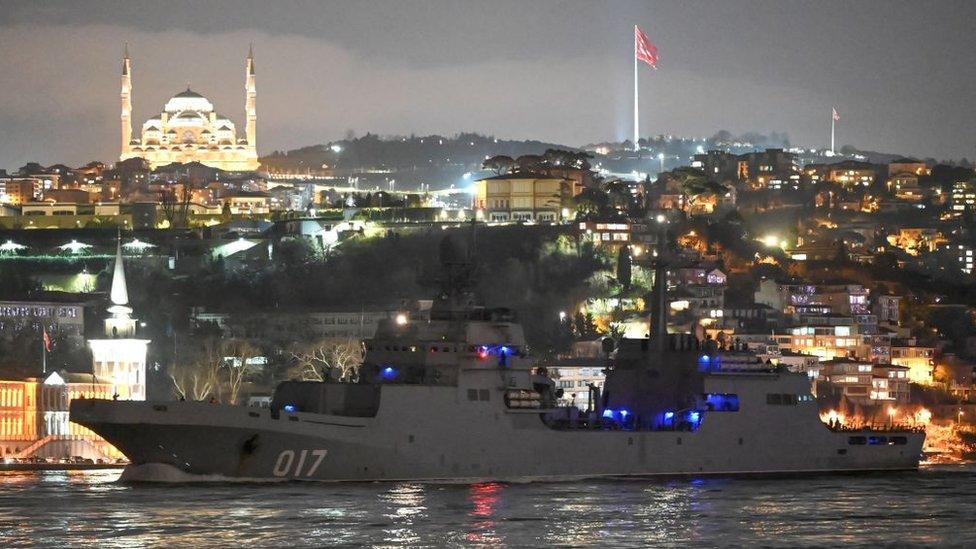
<point x="43" y="357"/>
<point x="832" y="122"/>
<point x="636" y="118"/>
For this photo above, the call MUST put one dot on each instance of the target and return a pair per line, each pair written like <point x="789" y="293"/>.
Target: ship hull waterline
<point x="229" y="442"/>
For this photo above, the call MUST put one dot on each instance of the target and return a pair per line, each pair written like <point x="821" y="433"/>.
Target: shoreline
<point x="59" y="466"/>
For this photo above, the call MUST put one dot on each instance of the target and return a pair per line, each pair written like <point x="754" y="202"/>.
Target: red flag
<point x="644" y="50"/>
<point x="47" y="341"/>
<point x="836" y="116"/>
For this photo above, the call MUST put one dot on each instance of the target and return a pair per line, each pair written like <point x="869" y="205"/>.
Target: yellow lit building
<point x="190" y="130"/>
<point x="34" y="413"/>
<point x="917" y="239"/>
<point x="917" y="359"/>
<point x="850" y="173"/>
<point x="522" y="197"/>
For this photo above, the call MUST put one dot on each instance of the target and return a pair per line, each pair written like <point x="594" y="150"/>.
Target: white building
<point x="120" y="358"/>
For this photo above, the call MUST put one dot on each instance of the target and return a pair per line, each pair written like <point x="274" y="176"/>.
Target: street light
<point x="660" y="156"/>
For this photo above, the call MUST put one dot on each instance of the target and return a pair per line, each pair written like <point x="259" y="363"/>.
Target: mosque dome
<point x="188" y="100"/>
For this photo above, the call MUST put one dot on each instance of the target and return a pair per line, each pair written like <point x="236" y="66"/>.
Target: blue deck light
<point x="290" y="408"/>
<point x="608" y="414"/>
<point x="388" y="373"/>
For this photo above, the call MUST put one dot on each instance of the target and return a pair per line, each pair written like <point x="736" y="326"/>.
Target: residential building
<point x="19" y="190"/>
<point x="851" y="173"/>
<point x="523" y="196"/>
<point x="917" y="358"/>
<point x="963" y="196"/>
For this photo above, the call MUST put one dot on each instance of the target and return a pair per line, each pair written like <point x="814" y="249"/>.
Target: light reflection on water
<point x="90" y="509"/>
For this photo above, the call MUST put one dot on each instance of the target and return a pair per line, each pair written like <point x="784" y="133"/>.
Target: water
<point x="933" y="506"/>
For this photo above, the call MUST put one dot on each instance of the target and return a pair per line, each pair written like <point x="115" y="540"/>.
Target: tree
<point x="619" y="194"/>
<point x="319" y="360"/>
<point x="585" y="326"/>
<point x="194" y="370"/>
<point x="529" y="162"/>
<point x="176" y="205"/>
<point x="500" y="164"/>
<point x="591" y="203"/>
<point x="235" y="356"/>
<point x="624" y="267"/>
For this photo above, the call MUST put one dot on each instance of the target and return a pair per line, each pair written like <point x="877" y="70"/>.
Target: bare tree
<point x="194" y="370"/>
<point x="315" y="361"/>
<point x="175" y="205"/>
<point x="235" y="356"/>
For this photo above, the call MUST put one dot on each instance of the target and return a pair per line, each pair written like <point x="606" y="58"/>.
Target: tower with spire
<point x="126" y="100"/>
<point x="250" y="100"/>
<point x="120" y="358"/>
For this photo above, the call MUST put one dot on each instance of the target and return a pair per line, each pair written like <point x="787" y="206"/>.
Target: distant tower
<point x="126" y="101"/>
<point x="250" y="101"/>
<point x="120" y="359"/>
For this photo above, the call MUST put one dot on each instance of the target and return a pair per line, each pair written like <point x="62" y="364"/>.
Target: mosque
<point x="190" y="130"/>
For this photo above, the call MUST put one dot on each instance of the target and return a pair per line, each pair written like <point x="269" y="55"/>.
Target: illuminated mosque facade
<point x="189" y="129"/>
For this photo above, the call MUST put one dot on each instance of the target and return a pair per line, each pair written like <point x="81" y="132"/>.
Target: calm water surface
<point x="934" y="506"/>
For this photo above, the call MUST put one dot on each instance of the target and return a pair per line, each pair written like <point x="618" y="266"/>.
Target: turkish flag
<point x="47" y="341"/>
<point x="644" y="50"/>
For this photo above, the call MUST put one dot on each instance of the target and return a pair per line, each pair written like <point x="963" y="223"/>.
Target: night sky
<point x="902" y="74"/>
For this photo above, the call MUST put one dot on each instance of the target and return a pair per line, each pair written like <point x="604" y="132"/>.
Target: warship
<point x="455" y="396"/>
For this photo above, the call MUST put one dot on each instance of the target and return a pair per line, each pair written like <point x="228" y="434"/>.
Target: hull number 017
<point x="306" y="464"/>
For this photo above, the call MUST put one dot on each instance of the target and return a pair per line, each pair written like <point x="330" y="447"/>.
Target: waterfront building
<point x="189" y="129"/>
<point x="34" y="419"/>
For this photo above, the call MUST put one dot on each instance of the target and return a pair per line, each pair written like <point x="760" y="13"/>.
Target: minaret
<point x="121" y="323"/>
<point x="126" y="101"/>
<point x="120" y="358"/>
<point x="250" y="101"/>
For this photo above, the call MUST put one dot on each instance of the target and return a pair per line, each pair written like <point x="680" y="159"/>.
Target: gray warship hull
<point x="449" y="438"/>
